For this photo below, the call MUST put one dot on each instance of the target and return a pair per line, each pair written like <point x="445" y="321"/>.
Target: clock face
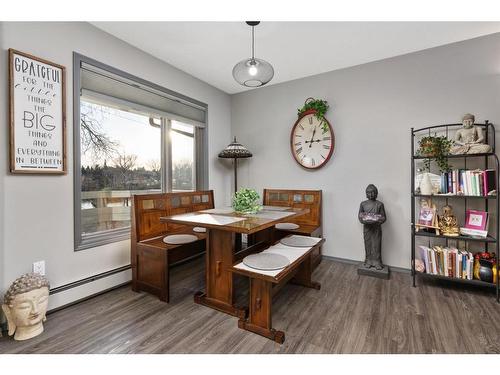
<point x="312" y="143"/>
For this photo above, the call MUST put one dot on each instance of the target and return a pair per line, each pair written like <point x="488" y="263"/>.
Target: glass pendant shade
<point x="253" y="72"/>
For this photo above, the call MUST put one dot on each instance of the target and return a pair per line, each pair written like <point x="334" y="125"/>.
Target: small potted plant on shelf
<point x="437" y="148"/>
<point x="245" y="201"/>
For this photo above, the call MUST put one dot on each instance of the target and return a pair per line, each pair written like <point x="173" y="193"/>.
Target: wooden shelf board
<point x="456" y="280"/>
<point x="456" y="156"/>
<point x="460" y="238"/>
<point x="455" y="196"/>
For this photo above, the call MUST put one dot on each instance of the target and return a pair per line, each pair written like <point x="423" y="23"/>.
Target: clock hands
<point x="311" y="141"/>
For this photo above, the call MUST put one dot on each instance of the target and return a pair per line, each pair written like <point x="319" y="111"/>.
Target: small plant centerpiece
<point x="319" y="106"/>
<point x="437" y="148"/>
<point x="245" y="201"/>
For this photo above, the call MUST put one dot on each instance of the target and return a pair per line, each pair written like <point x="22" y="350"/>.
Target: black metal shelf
<point x="456" y="196"/>
<point x="490" y="160"/>
<point x="457" y="156"/>
<point x="457" y="280"/>
<point x="489" y="239"/>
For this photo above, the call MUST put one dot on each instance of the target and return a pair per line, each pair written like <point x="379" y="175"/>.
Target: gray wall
<point x="36" y="220"/>
<point x="373" y="107"/>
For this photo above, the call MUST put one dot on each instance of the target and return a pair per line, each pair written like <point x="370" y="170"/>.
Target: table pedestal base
<point x="202" y="299"/>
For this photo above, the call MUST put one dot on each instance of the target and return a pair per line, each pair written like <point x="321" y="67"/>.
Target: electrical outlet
<point x="39" y="267"/>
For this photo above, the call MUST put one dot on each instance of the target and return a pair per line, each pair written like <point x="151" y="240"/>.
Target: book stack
<point x="469" y="182"/>
<point x="448" y="261"/>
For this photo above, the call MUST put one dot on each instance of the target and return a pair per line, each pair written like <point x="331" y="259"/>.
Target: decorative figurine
<point x="25" y="306"/>
<point x="372" y="216"/>
<point x="448" y="224"/>
<point x="469" y="139"/>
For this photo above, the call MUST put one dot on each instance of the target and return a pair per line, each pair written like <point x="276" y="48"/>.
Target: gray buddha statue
<point x="469" y="139"/>
<point x="372" y="216"/>
<point x="25" y="305"/>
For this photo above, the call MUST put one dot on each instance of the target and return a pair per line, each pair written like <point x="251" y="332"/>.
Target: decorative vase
<point x="485" y="270"/>
<point x="426" y="185"/>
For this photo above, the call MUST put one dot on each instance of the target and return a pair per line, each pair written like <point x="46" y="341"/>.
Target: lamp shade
<point x="253" y="72"/>
<point x="235" y="150"/>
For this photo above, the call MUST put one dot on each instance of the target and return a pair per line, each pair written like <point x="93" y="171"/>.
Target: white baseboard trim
<point x="83" y="291"/>
<point x="351" y="261"/>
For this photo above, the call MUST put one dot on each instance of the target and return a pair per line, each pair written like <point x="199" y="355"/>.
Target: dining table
<point x="223" y="226"/>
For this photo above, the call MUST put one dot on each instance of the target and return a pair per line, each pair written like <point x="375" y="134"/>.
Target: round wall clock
<point x="311" y="141"/>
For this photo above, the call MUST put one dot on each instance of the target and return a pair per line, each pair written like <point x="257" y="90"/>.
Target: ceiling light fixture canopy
<point x="253" y="72"/>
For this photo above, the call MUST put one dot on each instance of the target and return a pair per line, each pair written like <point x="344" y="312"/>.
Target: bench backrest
<point x="148" y="208"/>
<point x="310" y="199"/>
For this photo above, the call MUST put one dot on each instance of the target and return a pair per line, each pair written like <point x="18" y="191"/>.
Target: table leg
<point x="218" y="278"/>
<point x="260" y="316"/>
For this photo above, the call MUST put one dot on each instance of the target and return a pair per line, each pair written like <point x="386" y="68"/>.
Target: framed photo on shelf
<point x="477" y="220"/>
<point x="37" y="115"/>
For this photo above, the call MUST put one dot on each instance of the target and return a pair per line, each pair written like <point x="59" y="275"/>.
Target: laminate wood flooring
<point x="350" y="314"/>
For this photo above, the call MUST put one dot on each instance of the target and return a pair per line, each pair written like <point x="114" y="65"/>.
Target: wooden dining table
<point x="223" y="225"/>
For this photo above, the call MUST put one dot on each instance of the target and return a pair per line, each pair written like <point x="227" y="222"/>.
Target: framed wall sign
<point x="37" y="109"/>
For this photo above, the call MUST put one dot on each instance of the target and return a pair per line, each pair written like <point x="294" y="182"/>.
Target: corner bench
<point x="151" y="257"/>
<point x="265" y="284"/>
<point x="310" y="224"/>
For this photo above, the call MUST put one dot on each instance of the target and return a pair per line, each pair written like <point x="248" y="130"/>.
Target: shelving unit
<point x="487" y="158"/>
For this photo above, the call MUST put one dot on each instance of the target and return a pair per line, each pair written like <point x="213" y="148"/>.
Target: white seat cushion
<point x="199" y="229"/>
<point x="180" y="239"/>
<point x="287" y="226"/>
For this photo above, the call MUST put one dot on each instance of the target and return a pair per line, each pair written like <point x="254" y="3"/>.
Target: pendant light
<point x="253" y="72"/>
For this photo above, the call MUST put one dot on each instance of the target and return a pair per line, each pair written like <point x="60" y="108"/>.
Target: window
<point x="183" y="156"/>
<point x="131" y="138"/>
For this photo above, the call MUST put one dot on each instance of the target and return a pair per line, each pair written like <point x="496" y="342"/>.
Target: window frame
<point x="82" y="242"/>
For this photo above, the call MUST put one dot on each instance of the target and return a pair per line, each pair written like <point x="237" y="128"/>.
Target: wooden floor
<point x="350" y="314"/>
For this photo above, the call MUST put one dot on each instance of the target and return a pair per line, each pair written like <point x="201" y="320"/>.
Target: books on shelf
<point x="475" y="182"/>
<point x="448" y="261"/>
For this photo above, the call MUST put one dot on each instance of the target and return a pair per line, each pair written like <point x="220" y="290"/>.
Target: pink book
<point x="476" y="219"/>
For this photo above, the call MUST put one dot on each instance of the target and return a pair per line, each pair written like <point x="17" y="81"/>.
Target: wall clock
<point x="312" y="143"/>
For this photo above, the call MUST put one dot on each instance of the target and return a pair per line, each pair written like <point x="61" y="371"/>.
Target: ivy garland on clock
<point x="319" y="106"/>
<point x="312" y="140"/>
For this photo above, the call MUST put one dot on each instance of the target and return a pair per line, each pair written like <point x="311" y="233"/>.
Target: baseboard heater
<point x="89" y="279"/>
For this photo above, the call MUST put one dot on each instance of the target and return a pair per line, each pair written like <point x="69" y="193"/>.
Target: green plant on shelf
<point x="245" y="201"/>
<point x="435" y="148"/>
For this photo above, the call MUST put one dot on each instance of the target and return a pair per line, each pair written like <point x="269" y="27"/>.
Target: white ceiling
<point x="209" y="50"/>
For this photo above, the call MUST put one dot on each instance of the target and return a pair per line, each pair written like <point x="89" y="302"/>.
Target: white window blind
<point x="98" y="84"/>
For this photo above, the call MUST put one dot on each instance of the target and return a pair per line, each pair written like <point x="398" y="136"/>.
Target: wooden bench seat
<point x="151" y="257"/>
<point x="265" y="284"/>
<point x="310" y="224"/>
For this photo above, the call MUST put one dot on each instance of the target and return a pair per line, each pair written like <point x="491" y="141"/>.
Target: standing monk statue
<point x="372" y="216"/>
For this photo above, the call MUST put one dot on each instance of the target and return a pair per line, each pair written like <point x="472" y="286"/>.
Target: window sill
<point x="103" y="238"/>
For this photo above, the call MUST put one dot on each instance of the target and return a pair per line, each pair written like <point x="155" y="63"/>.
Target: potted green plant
<point x="245" y="201"/>
<point x="435" y="148"/>
<point x="319" y="107"/>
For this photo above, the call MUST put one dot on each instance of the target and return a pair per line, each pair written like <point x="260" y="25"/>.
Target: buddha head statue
<point x="468" y="121"/>
<point x="371" y="192"/>
<point x="25" y="305"/>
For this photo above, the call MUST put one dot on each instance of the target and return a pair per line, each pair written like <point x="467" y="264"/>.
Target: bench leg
<point x="260" y="316"/>
<point x="303" y="275"/>
<point x="165" y="287"/>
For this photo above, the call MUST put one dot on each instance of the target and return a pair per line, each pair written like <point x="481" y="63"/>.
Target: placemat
<point x="266" y="261"/>
<point x="299" y="241"/>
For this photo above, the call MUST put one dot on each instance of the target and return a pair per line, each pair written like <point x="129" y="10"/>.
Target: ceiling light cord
<point x="253" y="44"/>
